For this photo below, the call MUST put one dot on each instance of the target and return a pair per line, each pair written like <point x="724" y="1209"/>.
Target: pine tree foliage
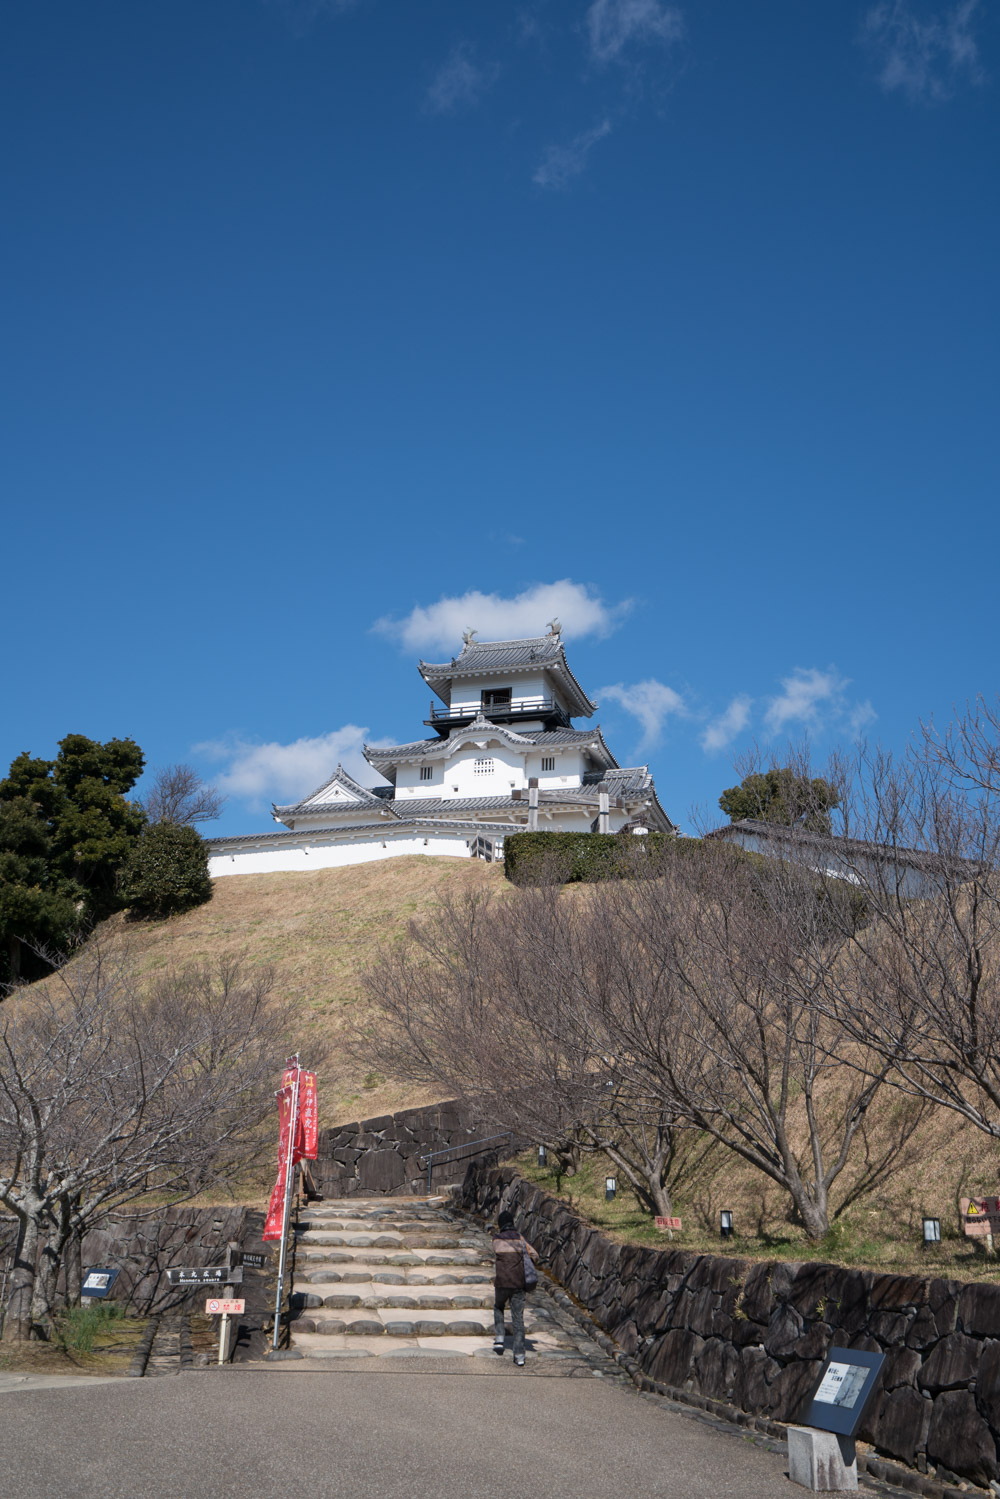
<point x="167" y="872"/>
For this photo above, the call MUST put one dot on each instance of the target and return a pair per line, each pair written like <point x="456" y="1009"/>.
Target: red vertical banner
<point x="307" y="1138"/>
<point x="276" y="1206"/>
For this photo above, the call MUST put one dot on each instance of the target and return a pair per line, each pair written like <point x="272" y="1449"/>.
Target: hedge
<point x="562" y="858"/>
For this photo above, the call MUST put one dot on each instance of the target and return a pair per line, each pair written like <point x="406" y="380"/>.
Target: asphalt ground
<point x="367" y="1433"/>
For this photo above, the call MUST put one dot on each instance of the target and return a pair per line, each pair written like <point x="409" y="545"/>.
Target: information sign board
<point x="667" y="1224"/>
<point x="205" y="1275"/>
<point x="250" y="1257"/>
<point x="98" y="1281"/>
<point x="216" y="1307"/>
<point x="980" y="1216"/>
<point x="845" y="1387"/>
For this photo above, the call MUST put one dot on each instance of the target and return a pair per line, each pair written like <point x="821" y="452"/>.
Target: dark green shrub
<point x="167" y="872"/>
<point x="564" y="858"/>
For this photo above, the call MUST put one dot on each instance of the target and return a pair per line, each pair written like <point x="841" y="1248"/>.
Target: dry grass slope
<point x="318" y="931"/>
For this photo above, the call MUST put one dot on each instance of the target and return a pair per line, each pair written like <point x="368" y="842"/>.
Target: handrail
<point x="428" y="1160"/>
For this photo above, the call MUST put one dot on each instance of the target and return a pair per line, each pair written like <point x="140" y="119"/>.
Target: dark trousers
<point x="516" y="1300"/>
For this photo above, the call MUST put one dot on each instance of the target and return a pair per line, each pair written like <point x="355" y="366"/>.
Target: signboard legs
<point x="289" y="1179"/>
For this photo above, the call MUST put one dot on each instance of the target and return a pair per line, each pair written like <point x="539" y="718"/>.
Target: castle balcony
<point x="551" y="713"/>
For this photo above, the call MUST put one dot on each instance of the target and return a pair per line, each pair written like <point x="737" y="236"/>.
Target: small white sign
<point x="841" y="1385"/>
<point x="215" y="1307"/>
<point x="96" y="1281"/>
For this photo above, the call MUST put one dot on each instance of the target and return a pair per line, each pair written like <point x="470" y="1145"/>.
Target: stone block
<point x="466" y="1329"/>
<point x="988" y="1384"/>
<point x="901" y="1424"/>
<point x="951" y="1364"/>
<point x="366" y="1327"/>
<point x="300" y="1300"/>
<point x="792" y="1389"/>
<point x="979" y="1310"/>
<point x="716" y="1368"/>
<point x="784" y="1331"/>
<point x="960" y="1439"/>
<point x="673" y="1356"/>
<point x="758" y="1302"/>
<point x="330" y="1326"/>
<point x="430" y="1329"/>
<point x="380" y="1171"/>
<point x="757" y="1372"/>
<point x="821" y="1461"/>
<point x="341" y="1301"/>
<point x="901" y="1367"/>
<point x="399" y="1329"/>
<point x="898" y="1292"/>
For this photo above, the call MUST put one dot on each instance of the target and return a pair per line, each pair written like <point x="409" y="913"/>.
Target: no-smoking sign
<point x="215" y="1307"/>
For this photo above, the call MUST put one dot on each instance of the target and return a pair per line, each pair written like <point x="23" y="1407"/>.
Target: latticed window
<point x="483" y="766"/>
<point x="548" y="762"/>
<point x="426" y="772"/>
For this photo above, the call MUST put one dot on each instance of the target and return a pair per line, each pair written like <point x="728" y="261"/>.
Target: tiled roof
<point x="221" y="844"/>
<point x="497" y="655"/>
<point x="492" y="657"/>
<point x="357" y="797"/>
<point x="539" y="737"/>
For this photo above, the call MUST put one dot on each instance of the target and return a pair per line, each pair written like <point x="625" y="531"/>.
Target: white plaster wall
<point x="523" y="689"/>
<point x="570" y="765"/>
<point x="291" y="858"/>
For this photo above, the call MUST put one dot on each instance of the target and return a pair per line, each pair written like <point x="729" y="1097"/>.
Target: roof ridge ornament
<point x="469" y="636"/>
<point x="555" y="628"/>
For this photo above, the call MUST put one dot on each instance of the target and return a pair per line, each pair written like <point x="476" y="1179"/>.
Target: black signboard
<point x="251" y="1258"/>
<point x="846" y="1385"/>
<point x="204" y="1275"/>
<point x="98" y="1281"/>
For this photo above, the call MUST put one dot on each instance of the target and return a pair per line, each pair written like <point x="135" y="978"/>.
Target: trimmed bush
<point x="564" y="858"/>
<point x="167" y="872"/>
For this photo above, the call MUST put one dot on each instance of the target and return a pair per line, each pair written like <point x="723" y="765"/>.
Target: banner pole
<point x="289" y="1177"/>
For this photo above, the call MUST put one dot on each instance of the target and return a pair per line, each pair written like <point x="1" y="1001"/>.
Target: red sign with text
<point x="668" y="1224"/>
<point x="276" y="1206"/>
<point x="298" y="1138"/>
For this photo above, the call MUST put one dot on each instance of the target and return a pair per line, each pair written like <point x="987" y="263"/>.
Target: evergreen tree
<point x="167" y="871"/>
<point x="66" y="829"/>
<point x="783" y="795"/>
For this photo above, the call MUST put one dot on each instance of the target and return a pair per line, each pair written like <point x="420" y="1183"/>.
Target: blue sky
<point x="319" y="317"/>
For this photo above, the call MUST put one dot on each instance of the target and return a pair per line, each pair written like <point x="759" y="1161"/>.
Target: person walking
<point x="515" y="1275"/>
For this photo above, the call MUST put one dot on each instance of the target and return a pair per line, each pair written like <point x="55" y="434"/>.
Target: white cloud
<point x="440" y="625"/>
<point x="651" y="702"/>
<point x="561" y="165"/>
<point x="926" y="59"/>
<point x="459" y="82"/>
<point x="262" y="773"/>
<point x="614" y="24"/>
<point x="802" y="696"/>
<point x="724" y="729"/>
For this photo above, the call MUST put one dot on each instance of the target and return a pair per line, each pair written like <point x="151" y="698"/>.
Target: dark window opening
<point x="496" y="697"/>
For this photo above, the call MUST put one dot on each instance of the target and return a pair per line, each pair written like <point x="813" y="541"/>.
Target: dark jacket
<point x="509" y="1246"/>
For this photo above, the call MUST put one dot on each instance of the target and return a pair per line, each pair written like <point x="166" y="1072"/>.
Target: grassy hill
<point x="317" y="931"/>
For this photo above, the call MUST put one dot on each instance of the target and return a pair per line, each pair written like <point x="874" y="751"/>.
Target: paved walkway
<point x="382" y="1431"/>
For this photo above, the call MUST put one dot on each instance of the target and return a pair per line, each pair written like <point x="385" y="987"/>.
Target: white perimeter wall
<point x="289" y="858"/>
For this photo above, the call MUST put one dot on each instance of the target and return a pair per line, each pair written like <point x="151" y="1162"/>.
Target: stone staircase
<point x="404" y="1277"/>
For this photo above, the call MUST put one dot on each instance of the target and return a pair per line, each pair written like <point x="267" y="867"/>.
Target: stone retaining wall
<point x="383" y="1155"/>
<point x="144" y="1248"/>
<point x="755" y="1334"/>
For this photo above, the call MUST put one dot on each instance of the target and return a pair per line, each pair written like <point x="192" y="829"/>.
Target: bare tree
<point x="493" y="1000"/>
<point x="110" y="1090"/>
<point x="723" y="1027"/>
<point x="927" y="964"/>
<point x="178" y="794"/>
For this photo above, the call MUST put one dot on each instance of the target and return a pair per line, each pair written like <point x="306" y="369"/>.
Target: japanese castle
<point x="502" y="756"/>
